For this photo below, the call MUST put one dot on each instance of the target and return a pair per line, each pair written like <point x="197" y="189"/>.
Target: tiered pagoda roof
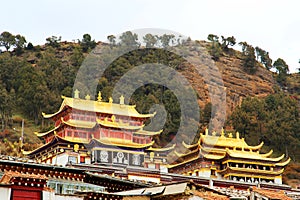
<point x="234" y="150"/>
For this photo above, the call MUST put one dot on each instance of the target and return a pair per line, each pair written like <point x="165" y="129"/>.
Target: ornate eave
<point x="227" y="142"/>
<point x="162" y="149"/>
<point x="252" y="156"/>
<point x="122" y="143"/>
<point x="282" y="164"/>
<point x="56" y="139"/>
<point x="120" y="125"/>
<point x="190" y="146"/>
<point x="79" y="123"/>
<point x="147" y="133"/>
<point x="46" y="133"/>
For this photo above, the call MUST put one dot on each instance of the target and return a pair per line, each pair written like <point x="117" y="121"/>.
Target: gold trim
<point x="175" y="165"/>
<point x="282" y="164"/>
<point x="148" y="133"/>
<point x="123" y="143"/>
<point x="185" y="154"/>
<point x="46" y="133"/>
<point x="117" y="150"/>
<point x="188" y="146"/>
<point x="253" y="155"/>
<point x="79" y="123"/>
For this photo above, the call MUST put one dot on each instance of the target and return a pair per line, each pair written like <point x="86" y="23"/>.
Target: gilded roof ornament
<point x="110" y="100"/>
<point x="76" y="94"/>
<point x="222" y="132"/>
<point x="113" y="118"/>
<point x="122" y="100"/>
<point x="237" y="135"/>
<point x="99" y="98"/>
<point x="206" y="131"/>
<point x="230" y="135"/>
<point x="87" y="97"/>
<point x="214" y="133"/>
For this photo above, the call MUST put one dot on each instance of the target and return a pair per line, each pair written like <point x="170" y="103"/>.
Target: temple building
<point x="227" y="157"/>
<point x="104" y="133"/>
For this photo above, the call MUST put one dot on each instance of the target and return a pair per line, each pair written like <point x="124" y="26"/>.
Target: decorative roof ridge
<point x="145" y="132"/>
<point x="282" y="164"/>
<point x="72" y="122"/>
<point x="189" y="146"/>
<point x="185" y="154"/>
<point x="161" y="149"/>
<point x="267" y="154"/>
<point x="120" y="125"/>
<point x="231" y="153"/>
<point x="38" y="134"/>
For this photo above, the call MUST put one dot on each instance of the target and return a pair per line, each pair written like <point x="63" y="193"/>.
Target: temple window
<point x="72" y="159"/>
<point x="82" y="159"/>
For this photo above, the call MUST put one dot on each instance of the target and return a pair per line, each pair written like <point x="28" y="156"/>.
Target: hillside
<point x="33" y="80"/>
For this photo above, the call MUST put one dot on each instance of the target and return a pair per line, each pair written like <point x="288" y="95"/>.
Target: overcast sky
<point x="272" y="25"/>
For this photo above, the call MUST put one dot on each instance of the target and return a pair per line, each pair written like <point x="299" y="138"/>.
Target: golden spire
<point x="76" y="94"/>
<point x="99" y="98"/>
<point x="87" y="97"/>
<point x="122" y="99"/>
<point x="237" y="135"/>
<point x="206" y="131"/>
<point x="110" y="100"/>
<point x="222" y="132"/>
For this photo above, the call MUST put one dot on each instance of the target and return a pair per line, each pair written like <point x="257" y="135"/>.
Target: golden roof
<point x="161" y="149"/>
<point x="282" y="164"/>
<point x="99" y="107"/>
<point x="79" y="123"/>
<point x="148" y="133"/>
<point x="122" y="143"/>
<point x="189" y="146"/>
<point x="70" y="122"/>
<point x="252" y="155"/>
<point x="118" y="124"/>
<point x="47" y="132"/>
<point x="223" y="141"/>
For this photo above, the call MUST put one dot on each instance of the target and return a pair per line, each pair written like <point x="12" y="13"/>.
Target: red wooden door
<point x="26" y="195"/>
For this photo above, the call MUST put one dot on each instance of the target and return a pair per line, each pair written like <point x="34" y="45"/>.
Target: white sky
<point x="272" y="25"/>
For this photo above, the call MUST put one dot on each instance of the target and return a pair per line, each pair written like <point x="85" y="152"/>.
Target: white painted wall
<point x="51" y="196"/>
<point x="143" y="178"/>
<point x="278" y="180"/>
<point x="62" y="159"/>
<point x="5" y="193"/>
<point x="204" y="173"/>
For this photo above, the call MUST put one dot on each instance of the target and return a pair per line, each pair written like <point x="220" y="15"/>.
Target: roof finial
<point x="76" y="94"/>
<point x="87" y="97"/>
<point x="222" y="132"/>
<point x="99" y="98"/>
<point x="206" y="131"/>
<point x="110" y="100"/>
<point x="237" y="135"/>
<point x="122" y="99"/>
